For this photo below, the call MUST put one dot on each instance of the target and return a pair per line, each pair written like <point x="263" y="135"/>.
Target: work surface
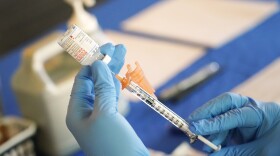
<point x="240" y="59"/>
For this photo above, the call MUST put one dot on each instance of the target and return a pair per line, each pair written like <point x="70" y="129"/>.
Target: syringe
<point x="165" y="112"/>
<point x="81" y="47"/>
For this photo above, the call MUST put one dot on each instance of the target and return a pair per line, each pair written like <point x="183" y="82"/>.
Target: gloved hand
<point x="240" y="124"/>
<point x="93" y="116"/>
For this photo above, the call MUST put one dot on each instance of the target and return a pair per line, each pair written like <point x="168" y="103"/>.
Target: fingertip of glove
<point x="196" y="115"/>
<point x="107" y="48"/>
<point x="190" y="118"/>
<point x="192" y="128"/>
<point x="107" y="45"/>
<point x="234" y="98"/>
<point x="121" y="50"/>
<point x="121" y="47"/>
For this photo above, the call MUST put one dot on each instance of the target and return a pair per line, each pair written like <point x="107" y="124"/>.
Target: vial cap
<point x="106" y="59"/>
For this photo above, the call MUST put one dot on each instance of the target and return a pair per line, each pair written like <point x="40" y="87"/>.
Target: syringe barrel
<point x="161" y="109"/>
<point x="167" y="114"/>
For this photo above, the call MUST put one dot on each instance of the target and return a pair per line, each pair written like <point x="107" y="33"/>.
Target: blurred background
<point x="213" y="46"/>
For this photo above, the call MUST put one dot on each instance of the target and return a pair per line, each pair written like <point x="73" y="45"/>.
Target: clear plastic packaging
<point x="17" y="137"/>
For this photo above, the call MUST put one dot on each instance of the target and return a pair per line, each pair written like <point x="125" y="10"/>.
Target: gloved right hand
<point x="242" y="126"/>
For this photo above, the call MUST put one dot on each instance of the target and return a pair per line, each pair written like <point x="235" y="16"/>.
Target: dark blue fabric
<point x="113" y="12"/>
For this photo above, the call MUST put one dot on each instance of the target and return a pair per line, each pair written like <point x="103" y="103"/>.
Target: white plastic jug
<point x="42" y="85"/>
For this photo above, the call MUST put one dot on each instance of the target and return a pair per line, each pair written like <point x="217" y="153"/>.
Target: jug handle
<point x="40" y="57"/>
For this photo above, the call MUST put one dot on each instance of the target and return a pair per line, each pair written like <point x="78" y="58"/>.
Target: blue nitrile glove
<point x="93" y="116"/>
<point x="240" y="124"/>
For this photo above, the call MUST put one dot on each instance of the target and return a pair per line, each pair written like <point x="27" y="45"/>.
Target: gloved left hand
<point x="93" y="116"/>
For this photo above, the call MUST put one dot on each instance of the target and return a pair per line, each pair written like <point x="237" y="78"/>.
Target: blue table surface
<point x="239" y="59"/>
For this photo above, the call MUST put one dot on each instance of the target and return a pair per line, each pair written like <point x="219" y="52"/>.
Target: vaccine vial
<point x="81" y="47"/>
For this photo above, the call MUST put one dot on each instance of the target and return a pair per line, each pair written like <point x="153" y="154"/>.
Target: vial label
<point x="80" y="46"/>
